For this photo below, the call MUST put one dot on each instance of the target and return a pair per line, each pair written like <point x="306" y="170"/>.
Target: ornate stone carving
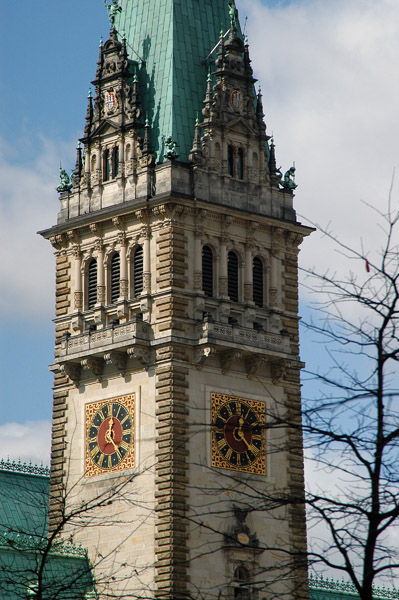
<point x="72" y="370"/>
<point x="119" y="223"/>
<point x="95" y="365"/>
<point x="116" y="359"/>
<point x="101" y="294"/>
<point x="278" y="370"/>
<point x="95" y="228"/>
<point x="201" y="354"/>
<point x="253" y="364"/>
<point x="227" y="359"/>
<point x="141" y="354"/>
<point x="78" y="300"/>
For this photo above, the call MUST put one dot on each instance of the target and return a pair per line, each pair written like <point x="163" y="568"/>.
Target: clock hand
<point x="239" y="433"/>
<point x="109" y="436"/>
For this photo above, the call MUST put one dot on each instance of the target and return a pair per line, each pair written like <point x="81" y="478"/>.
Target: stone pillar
<point x="146" y="262"/>
<point x="123" y="292"/>
<point x="273" y="292"/>
<point x="78" y="295"/>
<point x="198" y="261"/>
<point x="248" y="283"/>
<point x="100" y="274"/>
<point x="223" y="269"/>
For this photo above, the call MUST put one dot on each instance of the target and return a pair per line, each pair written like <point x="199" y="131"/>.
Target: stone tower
<point x="176" y="426"/>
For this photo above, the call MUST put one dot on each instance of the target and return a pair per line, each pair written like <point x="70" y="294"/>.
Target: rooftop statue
<point x="171" y="147"/>
<point x="65" y="182"/>
<point x="288" y="182"/>
<point x="233" y="12"/>
<point x="113" y="10"/>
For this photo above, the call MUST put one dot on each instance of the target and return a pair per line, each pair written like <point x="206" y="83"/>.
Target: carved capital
<point x="72" y="370"/>
<point x="95" y="228"/>
<point x="58" y="241"/>
<point x="76" y="252"/>
<point x="73" y="236"/>
<point x="119" y="223"/>
<point x="122" y="238"/>
<point x="141" y="354"/>
<point x="201" y="354"/>
<point x="95" y="365"/>
<point x="278" y="370"/>
<point x="254" y="363"/>
<point x="227" y="221"/>
<point x="227" y="359"/>
<point x="116" y="359"/>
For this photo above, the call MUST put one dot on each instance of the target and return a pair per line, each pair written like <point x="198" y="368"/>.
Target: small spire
<point x="196" y="149"/>
<point x="147" y="138"/>
<point x="89" y="114"/>
<point x="101" y="42"/>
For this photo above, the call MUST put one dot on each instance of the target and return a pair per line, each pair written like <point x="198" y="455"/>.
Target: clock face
<point x="238" y="433"/>
<point x="109" y="435"/>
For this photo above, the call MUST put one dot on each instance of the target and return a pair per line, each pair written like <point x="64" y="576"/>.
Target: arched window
<point x="207" y="271"/>
<point x="93" y="163"/>
<point x="241" y="583"/>
<point x="115" y="277"/>
<point x="257" y="281"/>
<point x="92" y="283"/>
<point x="230" y="160"/>
<point x="240" y="164"/>
<point x="115" y="162"/>
<point x="138" y="271"/>
<point x="232" y="276"/>
<point x="106" y="166"/>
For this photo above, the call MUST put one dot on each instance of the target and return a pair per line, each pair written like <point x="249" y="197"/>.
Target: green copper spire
<point x="173" y="37"/>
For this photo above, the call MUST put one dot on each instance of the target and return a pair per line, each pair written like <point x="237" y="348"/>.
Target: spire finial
<point x="233" y="12"/>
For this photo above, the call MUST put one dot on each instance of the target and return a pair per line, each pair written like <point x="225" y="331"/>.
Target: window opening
<point x="106" y="166"/>
<point x="138" y="271"/>
<point x="241" y="583"/>
<point x="230" y="160"/>
<point x="257" y="281"/>
<point x="92" y="284"/>
<point x="240" y="166"/>
<point x="115" y="277"/>
<point x="207" y="271"/>
<point x="232" y="276"/>
<point x="115" y="162"/>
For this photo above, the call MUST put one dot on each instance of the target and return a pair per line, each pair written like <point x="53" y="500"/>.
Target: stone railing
<point x="97" y="340"/>
<point x="209" y="332"/>
<point x="318" y="582"/>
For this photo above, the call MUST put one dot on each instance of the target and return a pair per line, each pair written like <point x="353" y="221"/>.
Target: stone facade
<point x="134" y="317"/>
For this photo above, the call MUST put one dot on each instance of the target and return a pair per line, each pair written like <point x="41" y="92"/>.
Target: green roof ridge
<point x="174" y="38"/>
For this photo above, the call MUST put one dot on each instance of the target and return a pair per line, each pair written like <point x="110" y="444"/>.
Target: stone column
<point x="78" y="295"/>
<point x="198" y="261"/>
<point x="100" y="274"/>
<point x="146" y="262"/>
<point x="123" y="292"/>
<point x="223" y="269"/>
<point x="248" y="283"/>
<point x="273" y="291"/>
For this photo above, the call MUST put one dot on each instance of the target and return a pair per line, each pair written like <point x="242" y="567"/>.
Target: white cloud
<point x="28" y="203"/>
<point x="328" y="72"/>
<point x="29" y="441"/>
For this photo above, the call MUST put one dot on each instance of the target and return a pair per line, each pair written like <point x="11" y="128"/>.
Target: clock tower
<point x="176" y="443"/>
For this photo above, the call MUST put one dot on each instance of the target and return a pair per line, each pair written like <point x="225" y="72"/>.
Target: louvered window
<point x="92" y="284"/>
<point x="115" y="277"/>
<point x="232" y="276"/>
<point x="207" y="271"/>
<point x="240" y="173"/>
<point x="115" y="162"/>
<point x="138" y="271"/>
<point x="106" y="166"/>
<point x="257" y="281"/>
<point x="230" y="160"/>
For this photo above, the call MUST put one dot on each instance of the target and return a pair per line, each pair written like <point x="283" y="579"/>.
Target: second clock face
<point x="238" y="433"/>
<point x="109" y="435"/>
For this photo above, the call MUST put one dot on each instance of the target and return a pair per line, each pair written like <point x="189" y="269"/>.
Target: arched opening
<point x="257" y="281"/>
<point x="115" y="277"/>
<point x="255" y="161"/>
<point x="241" y="583"/>
<point x="207" y="271"/>
<point x="230" y="160"/>
<point x="106" y="166"/>
<point x="92" y="283"/>
<point x="232" y="276"/>
<point x="93" y="163"/>
<point x="138" y="271"/>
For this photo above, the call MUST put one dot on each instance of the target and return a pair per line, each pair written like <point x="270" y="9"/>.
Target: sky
<point x="328" y="70"/>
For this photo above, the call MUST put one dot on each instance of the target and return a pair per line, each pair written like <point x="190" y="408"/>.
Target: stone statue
<point x="288" y="182"/>
<point x="233" y="12"/>
<point x="113" y="10"/>
<point x="171" y="147"/>
<point x="65" y="182"/>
